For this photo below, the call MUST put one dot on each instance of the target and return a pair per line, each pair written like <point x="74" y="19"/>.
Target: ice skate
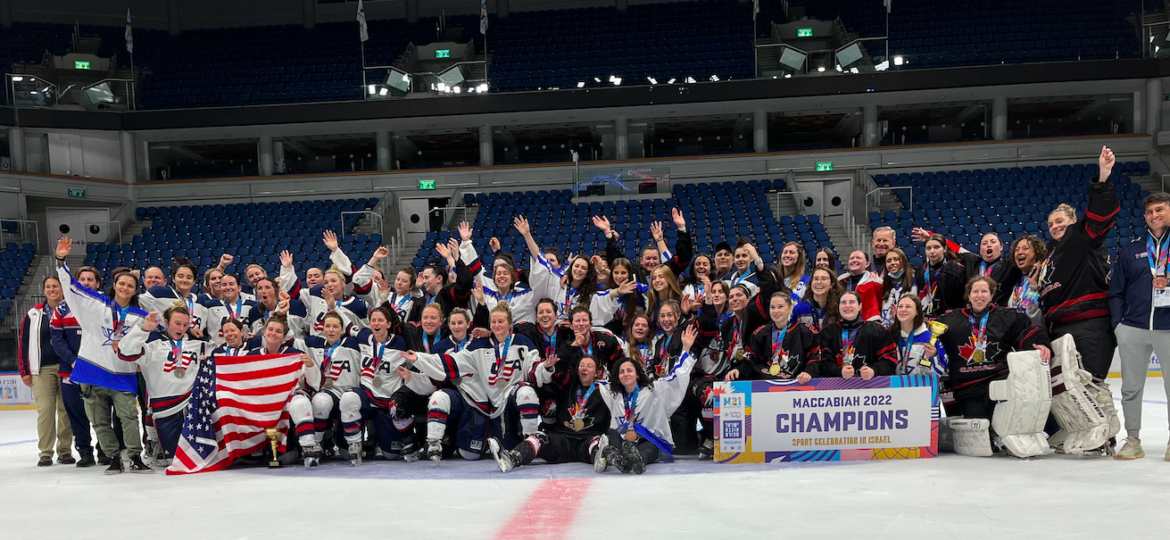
<point x="355" y="453"/>
<point x="707" y="450"/>
<point x="410" y="452"/>
<point x="506" y="459"/>
<point x="312" y="456"/>
<point x="600" y="462"/>
<point x="632" y="457"/>
<point x="435" y="451"/>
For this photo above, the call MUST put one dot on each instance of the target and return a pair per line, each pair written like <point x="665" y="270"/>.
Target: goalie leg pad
<point x="971" y="436"/>
<point x="1024" y="401"/>
<point x="1084" y="409"/>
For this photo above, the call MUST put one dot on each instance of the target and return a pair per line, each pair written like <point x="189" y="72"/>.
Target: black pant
<point x="1095" y="342"/>
<point x="974" y="402"/>
<point x="690" y="411"/>
<point x="650" y="453"/>
<point x="561" y="448"/>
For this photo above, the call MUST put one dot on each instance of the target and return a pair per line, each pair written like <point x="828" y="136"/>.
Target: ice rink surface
<point x="946" y="498"/>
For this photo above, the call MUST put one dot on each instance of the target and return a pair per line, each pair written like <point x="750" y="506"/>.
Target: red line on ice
<point x="549" y="512"/>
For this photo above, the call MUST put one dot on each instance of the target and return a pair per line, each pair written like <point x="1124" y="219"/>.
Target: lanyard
<point x="581" y="401"/>
<point x="120" y="314"/>
<point x="904" y="347"/>
<point x="381" y="348"/>
<point x="851" y="282"/>
<point x="979" y="331"/>
<point x="501" y="356"/>
<point x="568" y="304"/>
<point x="631" y="405"/>
<point x="1159" y="254"/>
<point x="746" y="275"/>
<point x="588" y="351"/>
<point x="665" y="346"/>
<point x="239" y="307"/>
<point x="644" y="352"/>
<point x="186" y="299"/>
<point x="847" y="337"/>
<point x="177" y="350"/>
<point x="462" y="343"/>
<point x="401" y="301"/>
<point x="737" y="336"/>
<point x="778" y="342"/>
<point x="552" y="343"/>
<point x="1020" y="294"/>
<point x="984" y="268"/>
<point x="426" y="345"/>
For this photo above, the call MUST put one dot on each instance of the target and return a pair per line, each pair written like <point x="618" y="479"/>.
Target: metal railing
<point x="131" y="93"/>
<point x="26" y="232"/>
<point x="20" y="306"/>
<point x="29" y="91"/>
<point x="874" y="201"/>
<point x="117" y="227"/>
<point x="375" y="219"/>
<point x="817" y="203"/>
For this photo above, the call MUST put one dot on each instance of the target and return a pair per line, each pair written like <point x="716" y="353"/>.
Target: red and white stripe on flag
<point x="235" y="401"/>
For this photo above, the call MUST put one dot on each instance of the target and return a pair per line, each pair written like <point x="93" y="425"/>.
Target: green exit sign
<point x="804" y="32"/>
<point x="823" y="166"/>
<point x="442" y="53"/>
<point x="78" y="192"/>
<point x="426" y="184"/>
<point x="80" y="64"/>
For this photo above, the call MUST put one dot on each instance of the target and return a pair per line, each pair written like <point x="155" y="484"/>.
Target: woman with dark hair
<point x="169" y="361"/>
<point x="270" y="300"/>
<point x="852" y="346"/>
<point x="819" y="306"/>
<point x="160" y="299"/>
<point x="104" y="320"/>
<point x="43" y="370"/>
<point x="570" y="285"/>
<point x="780" y="349"/>
<point x="641" y="410"/>
<point x="340" y="358"/>
<point x="234" y="339"/>
<point x="692" y="281"/>
<point x="792" y="263"/>
<point x="1022" y="287"/>
<point x="231" y="304"/>
<point x="273" y="339"/>
<point x="826" y="258"/>
<point x="897" y="282"/>
<point x="940" y="285"/>
<point x="916" y="354"/>
<point x="745" y="268"/>
<point x="638" y="341"/>
<point x="615" y="308"/>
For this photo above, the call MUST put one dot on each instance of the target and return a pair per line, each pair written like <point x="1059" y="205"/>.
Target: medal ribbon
<point x="401" y="301"/>
<point x="581" y="401"/>
<point x="904" y="347"/>
<point x="552" y="343"/>
<point x="177" y="353"/>
<point x="847" y="337"/>
<point x="568" y="303"/>
<point x="746" y="275"/>
<point x="632" y="404"/>
<point x="1159" y="255"/>
<point x="329" y="360"/>
<point x="980" y="330"/>
<point x="644" y="352"/>
<point x="502" y="356"/>
<point x="426" y="345"/>
<point x="665" y="345"/>
<point x="588" y="351"/>
<point x="778" y="343"/>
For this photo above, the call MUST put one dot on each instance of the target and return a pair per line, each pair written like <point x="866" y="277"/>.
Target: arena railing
<point x="873" y="199"/>
<point x="26" y="232"/>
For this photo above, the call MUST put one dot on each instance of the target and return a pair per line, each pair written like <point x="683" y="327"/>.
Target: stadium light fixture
<point x="882" y="66"/>
<point x="372" y="89"/>
<point x="597" y="79"/>
<point x="839" y="68"/>
<point x="580" y="84"/>
<point x="689" y="80"/>
<point x="17" y="79"/>
<point x="398" y="79"/>
<point x="458" y="89"/>
<point x="617" y="81"/>
<point x="714" y="78"/>
<point x="898" y="60"/>
<point x="787" y="75"/>
<point x="383" y="91"/>
<point x="821" y="69"/>
<point x="652" y="80"/>
<point x="482" y="88"/>
<point x="671" y="81"/>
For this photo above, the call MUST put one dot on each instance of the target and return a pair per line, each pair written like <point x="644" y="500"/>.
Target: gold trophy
<point x="936" y="329"/>
<point x="275" y="463"/>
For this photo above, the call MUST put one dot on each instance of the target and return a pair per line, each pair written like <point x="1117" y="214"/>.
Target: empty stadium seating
<point x="964" y="204"/>
<point x="255" y="233"/>
<point x="715" y="212"/>
<point x="15" y="261"/>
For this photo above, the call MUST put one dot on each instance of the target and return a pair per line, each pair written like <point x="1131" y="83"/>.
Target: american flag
<point x="236" y="399"/>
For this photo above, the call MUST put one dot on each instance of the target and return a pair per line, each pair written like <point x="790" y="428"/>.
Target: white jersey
<point x="487" y="371"/>
<point x="609" y="305"/>
<point x="339" y="364"/>
<point x="169" y="367"/>
<point x="653" y="404"/>
<point x="365" y="288"/>
<point x="291" y="283"/>
<point x="380" y="361"/>
<point x="521" y="299"/>
<point x="161" y="299"/>
<point x="297" y="317"/>
<point x="220" y="311"/>
<point x="890" y="303"/>
<point x="102" y="324"/>
<point x="403" y="304"/>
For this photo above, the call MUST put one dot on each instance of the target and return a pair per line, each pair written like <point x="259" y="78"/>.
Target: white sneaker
<point x="1131" y="450"/>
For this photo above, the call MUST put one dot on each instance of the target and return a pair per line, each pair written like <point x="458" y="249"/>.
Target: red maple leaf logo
<point x="967" y="349"/>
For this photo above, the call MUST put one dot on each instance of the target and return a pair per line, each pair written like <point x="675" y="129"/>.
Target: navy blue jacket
<point x="1131" y="290"/>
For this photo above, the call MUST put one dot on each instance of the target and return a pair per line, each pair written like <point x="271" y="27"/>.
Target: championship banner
<point x="826" y="419"/>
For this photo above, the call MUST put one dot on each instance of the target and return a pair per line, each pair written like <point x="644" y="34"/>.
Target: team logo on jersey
<point x="115" y="332"/>
<point x="503" y="369"/>
<point x="977" y="353"/>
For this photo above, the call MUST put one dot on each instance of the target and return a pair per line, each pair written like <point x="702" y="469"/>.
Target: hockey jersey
<point x="1074" y="280"/>
<point x="220" y="311"/>
<point x="972" y="361"/>
<point x="297" y="317"/>
<point x="647" y="409"/>
<point x="380" y="360"/>
<point x="780" y="353"/>
<point x="869" y="286"/>
<point x="609" y="308"/>
<point x="103" y="322"/>
<point x="912" y="354"/>
<point x="161" y="299"/>
<point x="940" y="287"/>
<point x="487" y="370"/>
<point x="896" y="291"/>
<point x="855" y="343"/>
<point x="169" y="367"/>
<point x="340" y="363"/>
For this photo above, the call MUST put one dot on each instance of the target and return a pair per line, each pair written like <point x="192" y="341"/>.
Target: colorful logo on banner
<point x="13" y="392"/>
<point x="827" y="420"/>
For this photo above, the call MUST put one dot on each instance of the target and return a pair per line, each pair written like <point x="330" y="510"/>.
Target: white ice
<point x="950" y="497"/>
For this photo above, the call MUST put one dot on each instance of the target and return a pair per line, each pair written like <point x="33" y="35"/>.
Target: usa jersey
<point x="161" y="299"/>
<point x="220" y="311"/>
<point x="521" y="299"/>
<point x="169" y="367"/>
<point x="340" y="364"/>
<point x="380" y="361"/>
<point x="102" y="324"/>
<point x="353" y="311"/>
<point x="486" y="371"/>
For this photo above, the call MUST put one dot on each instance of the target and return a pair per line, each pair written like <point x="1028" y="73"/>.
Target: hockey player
<point x="916" y="355"/>
<point x="940" y="285"/>
<point x="604" y="347"/>
<point x="570" y="285"/>
<point x="341" y="363"/>
<point x="867" y="284"/>
<point x="641" y="410"/>
<point x="582" y="417"/>
<point x="459" y="325"/>
<point x="780" y="349"/>
<point x="234" y="342"/>
<point x="745" y="271"/>
<point x="401" y="296"/>
<point x="274" y="340"/>
<point x="663" y="288"/>
<point x="897" y="283"/>
<point x="987" y="262"/>
<point x="389" y="394"/>
<point x="493" y="395"/>
<point x="1023" y="281"/>
<point x="852" y="346"/>
<point x="103" y="376"/>
<point x="976" y="345"/>
<point x="819" y="307"/>
<point x="692" y="281"/>
<point x="638" y="342"/>
<point x="270" y="300"/>
<point x="230" y="305"/>
<point x="501" y="286"/>
<point x="827" y="259"/>
<point x="160" y="298"/>
<point x="792" y="263"/>
<point x="615" y="308"/>
<point x="652" y="256"/>
<point x="166" y="355"/>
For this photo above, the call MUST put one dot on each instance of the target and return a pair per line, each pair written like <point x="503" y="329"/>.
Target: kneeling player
<point x="582" y="417"/>
<point x="976" y="343"/>
<point x="492" y="395"/>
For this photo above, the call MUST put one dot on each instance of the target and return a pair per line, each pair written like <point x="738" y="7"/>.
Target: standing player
<point x="160" y="298"/>
<point x="792" y="264"/>
<point x="897" y="283"/>
<point x="867" y="284"/>
<point x="940" y="285"/>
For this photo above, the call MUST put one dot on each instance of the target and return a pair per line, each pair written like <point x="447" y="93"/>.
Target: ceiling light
<point x="383" y="91"/>
<point x="714" y="78"/>
<point x="652" y="80"/>
<point x="580" y="84"/>
<point x="671" y="81"/>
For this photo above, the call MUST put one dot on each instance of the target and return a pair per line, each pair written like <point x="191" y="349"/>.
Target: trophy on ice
<point x="275" y="463"/>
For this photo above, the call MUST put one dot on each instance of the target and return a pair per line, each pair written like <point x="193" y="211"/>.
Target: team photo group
<point x="599" y="358"/>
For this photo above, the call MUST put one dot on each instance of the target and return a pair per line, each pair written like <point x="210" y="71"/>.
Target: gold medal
<point x="774" y="369"/>
<point x="977" y="357"/>
<point x="739" y="354"/>
<point x="578" y="424"/>
<point x="1160" y="282"/>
